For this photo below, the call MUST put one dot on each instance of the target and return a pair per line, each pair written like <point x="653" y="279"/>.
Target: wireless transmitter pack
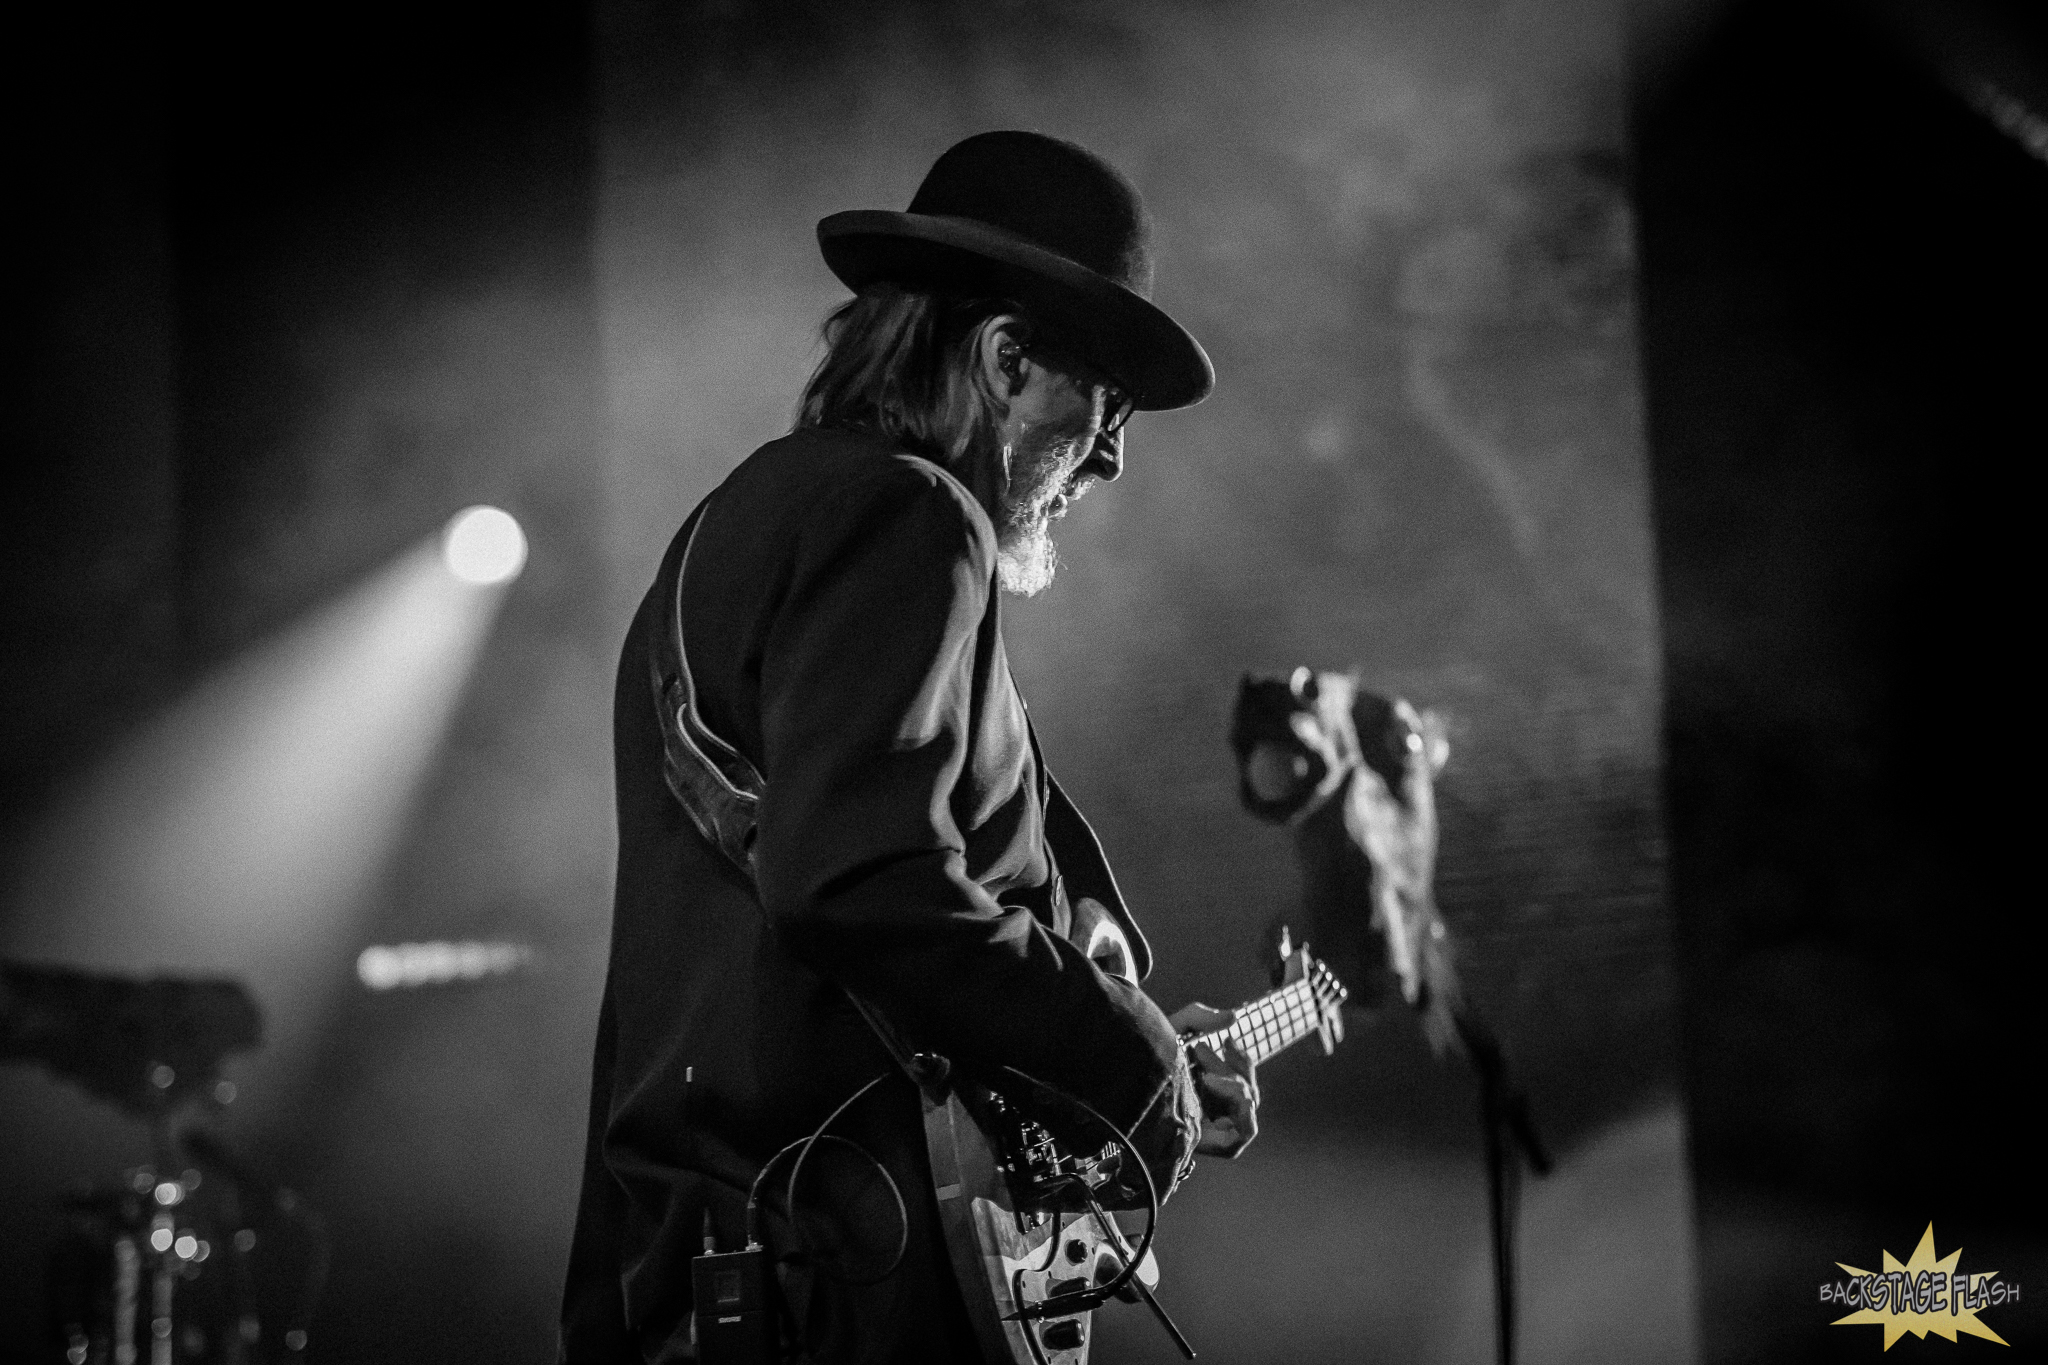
<point x="735" y="1311"/>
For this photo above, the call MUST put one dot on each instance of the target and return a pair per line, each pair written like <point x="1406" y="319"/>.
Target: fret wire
<point x="1273" y="1023"/>
<point x="1275" y="1011"/>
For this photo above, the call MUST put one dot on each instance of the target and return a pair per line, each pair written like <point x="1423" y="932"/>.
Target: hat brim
<point x="1150" y="354"/>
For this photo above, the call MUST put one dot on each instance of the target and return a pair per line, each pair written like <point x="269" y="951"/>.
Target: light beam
<point x="242" y="830"/>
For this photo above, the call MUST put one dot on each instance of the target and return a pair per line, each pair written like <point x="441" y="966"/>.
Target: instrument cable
<point x="802" y="1147"/>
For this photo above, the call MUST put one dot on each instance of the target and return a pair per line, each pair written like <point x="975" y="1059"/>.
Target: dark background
<point x="1843" y="292"/>
<point x="300" y="287"/>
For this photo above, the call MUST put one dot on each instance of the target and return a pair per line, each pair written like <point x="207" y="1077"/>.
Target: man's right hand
<point x="1167" y="1137"/>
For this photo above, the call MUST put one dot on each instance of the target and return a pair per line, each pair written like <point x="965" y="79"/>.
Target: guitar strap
<point x="714" y="783"/>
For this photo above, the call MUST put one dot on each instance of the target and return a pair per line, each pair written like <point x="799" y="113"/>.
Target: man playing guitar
<point x="834" y="822"/>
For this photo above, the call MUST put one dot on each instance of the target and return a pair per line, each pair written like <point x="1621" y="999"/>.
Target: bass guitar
<point x="1032" y="1246"/>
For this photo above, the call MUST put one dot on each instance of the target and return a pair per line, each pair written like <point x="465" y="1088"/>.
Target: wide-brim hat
<point x="1051" y="225"/>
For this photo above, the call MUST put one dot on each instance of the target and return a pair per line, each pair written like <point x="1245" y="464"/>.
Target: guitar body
<point x="1021" y="1226"/>
<point x="1006" y="1252"/>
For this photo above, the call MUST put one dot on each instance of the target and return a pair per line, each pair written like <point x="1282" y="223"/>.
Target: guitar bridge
<point x="1043" y="1178"/>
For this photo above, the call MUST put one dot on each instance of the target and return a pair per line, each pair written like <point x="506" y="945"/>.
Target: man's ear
<point x="999" y="354"/>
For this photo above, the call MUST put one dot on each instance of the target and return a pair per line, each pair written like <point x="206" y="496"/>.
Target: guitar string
<point x="1273" y="1024"/>
<point x="1276" y="1022"/>
<point x="1262" y="1030"/>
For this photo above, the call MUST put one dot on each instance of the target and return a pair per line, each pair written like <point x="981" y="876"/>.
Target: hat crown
<point x="1053" y="194"/>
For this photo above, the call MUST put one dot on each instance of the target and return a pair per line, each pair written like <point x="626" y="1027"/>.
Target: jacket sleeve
<point x="867" y="725"/>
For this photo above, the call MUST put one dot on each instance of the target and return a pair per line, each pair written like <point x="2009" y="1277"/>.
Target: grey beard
<point x="1026" y="557"/>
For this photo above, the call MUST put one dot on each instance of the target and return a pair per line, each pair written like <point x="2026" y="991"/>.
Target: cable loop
<point x="802" y="1146"/>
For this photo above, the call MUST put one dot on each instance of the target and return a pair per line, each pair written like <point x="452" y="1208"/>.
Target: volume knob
<point x="1064" y="1335"/>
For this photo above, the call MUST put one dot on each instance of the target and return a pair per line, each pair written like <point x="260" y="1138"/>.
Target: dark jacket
<point x="841" y="619"/>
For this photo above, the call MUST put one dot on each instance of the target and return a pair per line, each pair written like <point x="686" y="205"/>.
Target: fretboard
<point x="1271" y="1024"/>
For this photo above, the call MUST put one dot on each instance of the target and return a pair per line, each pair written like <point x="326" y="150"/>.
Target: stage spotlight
<point x="484" y="545"/>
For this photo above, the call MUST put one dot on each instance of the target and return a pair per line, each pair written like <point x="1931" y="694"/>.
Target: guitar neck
<point x="1270" y="1024"/>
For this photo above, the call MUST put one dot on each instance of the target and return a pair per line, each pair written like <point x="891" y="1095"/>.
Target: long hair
<point x="901" y="363"/>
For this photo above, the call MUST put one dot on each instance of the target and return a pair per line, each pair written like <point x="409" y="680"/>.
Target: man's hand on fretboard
<point x="1226" y="1077"/>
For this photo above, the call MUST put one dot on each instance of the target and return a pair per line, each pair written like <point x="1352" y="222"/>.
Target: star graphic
<point x="1941" y="1321"/>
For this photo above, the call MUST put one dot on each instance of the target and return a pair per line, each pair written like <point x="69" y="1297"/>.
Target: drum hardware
<point x="193" y="1258"/>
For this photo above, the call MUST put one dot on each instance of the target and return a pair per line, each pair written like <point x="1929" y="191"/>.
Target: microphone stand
<point x="1510" y="1138"/>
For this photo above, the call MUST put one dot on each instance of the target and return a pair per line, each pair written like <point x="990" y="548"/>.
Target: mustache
<point x="1068" y="495"/>
<point x="1040" y="492"/>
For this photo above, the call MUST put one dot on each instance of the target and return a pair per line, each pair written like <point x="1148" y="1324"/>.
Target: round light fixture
<point x="484" y="545"/>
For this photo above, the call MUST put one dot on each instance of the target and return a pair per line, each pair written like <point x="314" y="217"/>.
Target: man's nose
<point x="1106" y="460"/>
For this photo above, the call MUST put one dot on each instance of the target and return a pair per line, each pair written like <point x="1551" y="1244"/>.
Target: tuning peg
<point x="1280" y="942"/>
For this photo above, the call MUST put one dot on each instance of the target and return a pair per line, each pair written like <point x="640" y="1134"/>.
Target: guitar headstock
<point x="1299" y="965"/>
